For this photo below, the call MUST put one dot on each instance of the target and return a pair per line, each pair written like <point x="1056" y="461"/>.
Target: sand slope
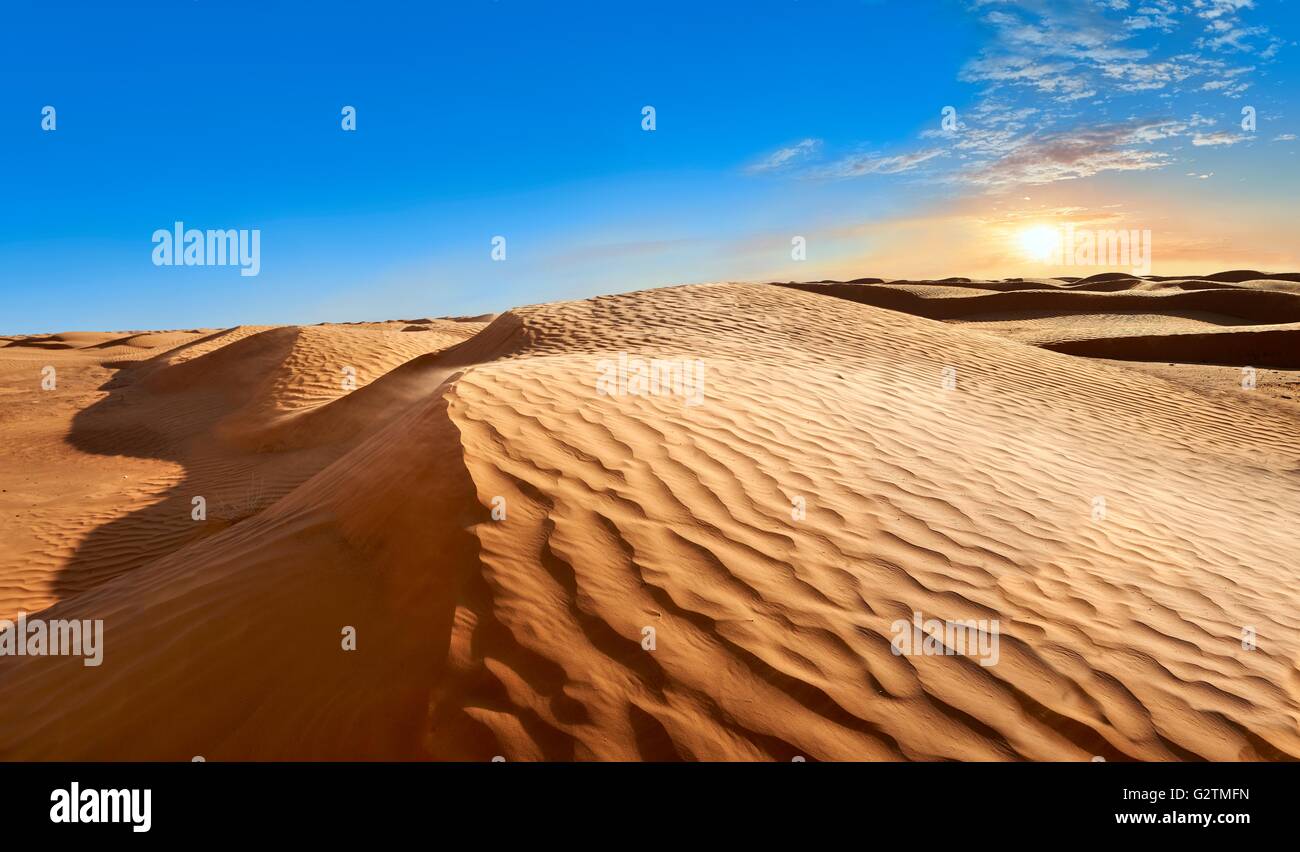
<point x="1112" y="315"/>
<point x="100" y="471"/>
<point x="522" y="637"/>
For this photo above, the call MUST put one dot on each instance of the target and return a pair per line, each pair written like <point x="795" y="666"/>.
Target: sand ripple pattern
<point x="523" y="637"/>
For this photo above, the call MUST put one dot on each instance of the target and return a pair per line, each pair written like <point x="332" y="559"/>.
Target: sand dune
<point x="1262" y="346"/>
<point x="1254" y="319"/>
<point x="950" y="468"/>
<point x="1278" y="304"/>
<point x="105" y="465"/>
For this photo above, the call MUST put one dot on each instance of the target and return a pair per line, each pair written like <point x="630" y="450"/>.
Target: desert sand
<point x="862" y="451"/>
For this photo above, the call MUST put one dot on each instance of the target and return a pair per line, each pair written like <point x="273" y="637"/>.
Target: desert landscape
<point x="501" y="538"/>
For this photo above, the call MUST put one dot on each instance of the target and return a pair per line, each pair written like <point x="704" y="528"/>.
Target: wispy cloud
<point x="804" y="155"/>
<point x="1219" y="137"/>
<point x="1048" y="64"/>
<point x="1075" y="154"/>
<point x="857" y="165"/>
<point x="1076" y="49"/>
<point x="784" y="157"/>
<point x="1227" y="82"/>
<point x="1226" y="32"/>
<point x="1158" y="15"/>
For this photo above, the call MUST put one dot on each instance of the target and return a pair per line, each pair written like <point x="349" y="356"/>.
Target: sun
<point x="1039" y="242"/>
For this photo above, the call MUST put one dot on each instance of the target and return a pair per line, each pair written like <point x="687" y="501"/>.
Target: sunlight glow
<point x="1039" y="242"/>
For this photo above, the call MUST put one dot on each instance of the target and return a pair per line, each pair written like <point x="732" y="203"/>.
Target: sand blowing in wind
<point x="733" y="521"/>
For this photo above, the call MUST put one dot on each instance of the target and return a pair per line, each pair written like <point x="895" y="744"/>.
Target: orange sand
<point x="1120" y="636"/>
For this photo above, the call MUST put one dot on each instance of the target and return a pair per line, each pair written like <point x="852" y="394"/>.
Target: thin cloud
<point x="859" y="165"/>
<point x="784" y="157"/>
<point x="1075" y="154"/>
<point x="1049" y="63"/>
<point x="1225" y="30"/>
<point x="1219" y="137"/>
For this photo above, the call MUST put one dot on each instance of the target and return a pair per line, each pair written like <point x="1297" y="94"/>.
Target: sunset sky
<point x="816" y="118"/>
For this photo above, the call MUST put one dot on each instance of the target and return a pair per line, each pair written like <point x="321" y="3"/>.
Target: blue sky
<point x="818" y="118"/>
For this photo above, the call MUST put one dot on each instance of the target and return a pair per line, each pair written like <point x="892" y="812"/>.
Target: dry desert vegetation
<point x="1107" y="468"/>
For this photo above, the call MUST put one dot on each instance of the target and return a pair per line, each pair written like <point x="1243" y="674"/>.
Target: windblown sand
<point x="947" y="441"/>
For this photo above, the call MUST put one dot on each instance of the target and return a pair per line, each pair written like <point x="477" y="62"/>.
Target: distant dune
<point x="537" y="568"/>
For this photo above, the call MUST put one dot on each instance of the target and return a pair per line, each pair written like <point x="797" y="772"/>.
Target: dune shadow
<point x="179" y="412"/>
<point x="1249" y="318"/>
<point x="158" y="409"/>
<point x="200" y="639"/>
